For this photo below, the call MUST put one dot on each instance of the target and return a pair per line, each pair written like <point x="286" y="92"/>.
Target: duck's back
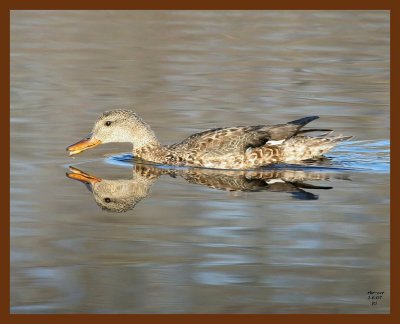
<point x="222" y="141"/>
<point x="244" y="147"/>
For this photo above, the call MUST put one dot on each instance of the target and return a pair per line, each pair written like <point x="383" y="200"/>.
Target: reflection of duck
<point x="241" y="147"/>
<point x="122" y="195"/>
<point x="118" y="195"/>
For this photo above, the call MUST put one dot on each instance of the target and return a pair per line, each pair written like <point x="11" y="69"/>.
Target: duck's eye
<point x="107" y="123"/>
<point x="107" y="200"/>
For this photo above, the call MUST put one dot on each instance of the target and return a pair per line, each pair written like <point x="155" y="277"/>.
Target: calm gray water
<point x="287" y="239"/>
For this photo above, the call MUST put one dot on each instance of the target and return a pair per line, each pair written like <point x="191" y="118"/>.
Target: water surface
<point x="291" y="239"/>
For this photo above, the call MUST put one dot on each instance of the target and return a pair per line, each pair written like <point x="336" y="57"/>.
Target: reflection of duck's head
<point x="115" y="195"/>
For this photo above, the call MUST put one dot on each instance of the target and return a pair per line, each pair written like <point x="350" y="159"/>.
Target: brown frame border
<point x="7" y="5"/>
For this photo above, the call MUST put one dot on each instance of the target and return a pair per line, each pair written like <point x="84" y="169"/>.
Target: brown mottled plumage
<point x="241" y="147"/>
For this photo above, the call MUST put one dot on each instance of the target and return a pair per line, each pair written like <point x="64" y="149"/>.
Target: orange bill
<point x="81" y="176"/>
<point x="82" y="145"/>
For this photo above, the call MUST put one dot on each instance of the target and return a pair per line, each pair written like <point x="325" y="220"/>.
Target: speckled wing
<point x="235" y="140"/>
<point x="224" y="141"/>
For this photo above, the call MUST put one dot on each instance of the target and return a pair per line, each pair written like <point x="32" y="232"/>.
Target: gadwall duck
<point x="240" y="147"/>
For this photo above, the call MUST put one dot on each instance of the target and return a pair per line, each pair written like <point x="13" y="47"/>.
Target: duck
<point x="238" y="147"/>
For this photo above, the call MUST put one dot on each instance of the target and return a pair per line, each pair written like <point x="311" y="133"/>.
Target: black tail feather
<point x="303" y="121"/>
<point x="285" y="131"/>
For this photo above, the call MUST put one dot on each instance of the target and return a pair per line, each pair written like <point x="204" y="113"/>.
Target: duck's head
<point x="119" y="125"/>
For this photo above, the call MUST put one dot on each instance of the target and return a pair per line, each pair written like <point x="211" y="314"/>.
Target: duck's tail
<point x="285" y="131"/>
<point x="300" y="148"/>
<point x="303" y="121"/>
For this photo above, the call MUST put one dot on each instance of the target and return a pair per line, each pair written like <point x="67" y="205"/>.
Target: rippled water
<point x="310" y="238"/>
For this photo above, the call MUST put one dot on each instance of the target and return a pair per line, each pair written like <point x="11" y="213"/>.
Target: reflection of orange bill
<point x="82" y="145"/>
<point x="81" y="176"/>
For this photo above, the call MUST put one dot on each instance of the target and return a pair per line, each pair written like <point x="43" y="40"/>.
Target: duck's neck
<point x="147" y="139"/>
<point x="142" y="136"/>
<point x="146" y="145"/>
